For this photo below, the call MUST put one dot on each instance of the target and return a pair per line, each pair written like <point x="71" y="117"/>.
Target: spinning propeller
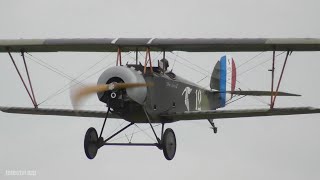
<point x="82" y="92"/>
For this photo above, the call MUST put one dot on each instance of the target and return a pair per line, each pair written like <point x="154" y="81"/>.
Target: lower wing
<point x="58" y="112"/>
<point x="221" y="114"/>
<point x="188" y="115"/>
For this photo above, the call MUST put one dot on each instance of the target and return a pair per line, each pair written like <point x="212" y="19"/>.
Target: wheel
<point x="169" y="144"/>
<point x="91" y="143"/>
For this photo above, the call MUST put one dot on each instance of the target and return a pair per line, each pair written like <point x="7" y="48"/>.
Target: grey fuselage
<point x="169" y="93"/>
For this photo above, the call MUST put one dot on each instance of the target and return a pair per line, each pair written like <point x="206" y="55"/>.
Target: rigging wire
<point x="61" y="73"/>
<point x="140" y="130"/>
<point x="102" y="59"/>
<point x="134" y="128"/>
<point x="185" y="59"/>
<point x="112" y="132"/>
<point x="48" y="66"/>
<point x="174" y="62"/>
<point x="260" y="64"/>
<point x="252" y="58"/>
<point x="241" y="65"/>
<point x="202" y="79"/>
<point x="145" y="131"/>
<point x="208" y="73"/>
<point x="254" y="97"/>
<point x="238" y="67"/>
<point x="235" y="100"/>
<point x="69" y="85"/>
<point x="188" y="66"/>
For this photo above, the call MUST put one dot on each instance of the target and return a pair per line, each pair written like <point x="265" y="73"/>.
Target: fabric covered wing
<point x="160" y="44"/>
<point x="57" y="112"/>
<point x="258" y="93"/>
<point x="222" y="114"/>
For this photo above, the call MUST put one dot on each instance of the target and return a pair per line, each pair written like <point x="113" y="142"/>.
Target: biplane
<point x="144" y="93"/>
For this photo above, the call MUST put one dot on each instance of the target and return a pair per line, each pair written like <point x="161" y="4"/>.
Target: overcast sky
<point x="246" y="148"/>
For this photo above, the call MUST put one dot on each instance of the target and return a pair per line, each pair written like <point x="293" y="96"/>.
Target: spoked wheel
<point x="169" y="144"/>
<point x="91" y="143"/>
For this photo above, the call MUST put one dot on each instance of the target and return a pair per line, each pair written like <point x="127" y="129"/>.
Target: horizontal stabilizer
<point x="222" y="114"/>
<point x="57" y="112"/>
<point x="257" y="93"/>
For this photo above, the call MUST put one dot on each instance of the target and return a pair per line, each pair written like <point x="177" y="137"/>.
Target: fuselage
<point x="168" y="93"/>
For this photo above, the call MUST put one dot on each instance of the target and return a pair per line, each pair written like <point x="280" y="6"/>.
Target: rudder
<point x="223" y="78"/>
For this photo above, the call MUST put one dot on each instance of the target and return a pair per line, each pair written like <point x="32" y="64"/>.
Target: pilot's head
<point x="164" y="64"/>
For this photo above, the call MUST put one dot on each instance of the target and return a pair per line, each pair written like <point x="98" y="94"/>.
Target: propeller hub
<point x="123" y="74"/>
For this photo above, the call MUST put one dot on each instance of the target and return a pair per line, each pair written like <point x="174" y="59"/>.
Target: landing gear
<point x="91" y="143"/>
<point x="215" y="129"/>
<point x="169" y="144"/>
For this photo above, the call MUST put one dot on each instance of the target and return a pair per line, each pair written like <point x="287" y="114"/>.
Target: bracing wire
<point x="235" y="100"/>
<point x="259" y="64"/>
<point x="249" y="60"/>
<point x="69" y="85"/>
<point x="48" y="66"/>
<point x="174" y="62"/>
<point x="61" y="73"/>
<point x="140" y="130"/>
<point x="182" y="58"/>
<point x="241" y="65"/>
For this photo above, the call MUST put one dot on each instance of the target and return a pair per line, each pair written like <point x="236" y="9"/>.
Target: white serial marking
<point x="198" y="100"/>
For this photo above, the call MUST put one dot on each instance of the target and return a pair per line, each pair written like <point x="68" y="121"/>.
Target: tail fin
<point x="223" y="78"/>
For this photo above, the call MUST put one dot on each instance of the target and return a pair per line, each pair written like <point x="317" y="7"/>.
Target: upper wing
<point x="221" y="114"/>
<point x="58" y="112"/>
<point x="160" y="44"/>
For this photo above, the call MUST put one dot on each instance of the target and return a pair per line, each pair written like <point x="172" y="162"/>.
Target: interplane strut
<point x="31" y="95"/>
<point x="274" y="94"/>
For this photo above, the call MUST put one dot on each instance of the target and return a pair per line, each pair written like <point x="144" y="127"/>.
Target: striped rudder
<point x="224" y="78"/>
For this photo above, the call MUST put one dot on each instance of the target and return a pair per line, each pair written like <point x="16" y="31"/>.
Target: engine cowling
<point x="124" y="74"/>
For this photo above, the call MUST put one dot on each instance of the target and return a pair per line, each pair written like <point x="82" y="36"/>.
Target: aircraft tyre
<point x="169" y="144"/>
<point x="91" y="143"/>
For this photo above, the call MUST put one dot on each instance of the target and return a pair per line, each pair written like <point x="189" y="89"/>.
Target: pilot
<point x="164" y="65"/>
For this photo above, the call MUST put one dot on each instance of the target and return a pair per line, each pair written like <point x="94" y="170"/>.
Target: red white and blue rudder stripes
<point x="227" y="78"/>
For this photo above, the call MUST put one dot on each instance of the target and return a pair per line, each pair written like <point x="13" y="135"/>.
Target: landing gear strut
<point x="215" y="129"/>
<point x="167" y="143"/>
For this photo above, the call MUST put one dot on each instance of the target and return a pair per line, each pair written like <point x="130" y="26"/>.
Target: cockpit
<point x="161" y="70"/>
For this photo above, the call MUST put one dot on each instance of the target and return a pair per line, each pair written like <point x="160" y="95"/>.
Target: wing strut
<point x="32" y="97"/>
<point x="148" y="60"/>
<point x="274" y="95"/>
<point x="119" y="60"/>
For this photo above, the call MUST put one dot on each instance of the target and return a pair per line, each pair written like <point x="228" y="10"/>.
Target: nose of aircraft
<point x="85" y="91"/>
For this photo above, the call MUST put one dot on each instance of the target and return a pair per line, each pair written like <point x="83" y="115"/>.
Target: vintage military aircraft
<point x="143" y="93"/>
